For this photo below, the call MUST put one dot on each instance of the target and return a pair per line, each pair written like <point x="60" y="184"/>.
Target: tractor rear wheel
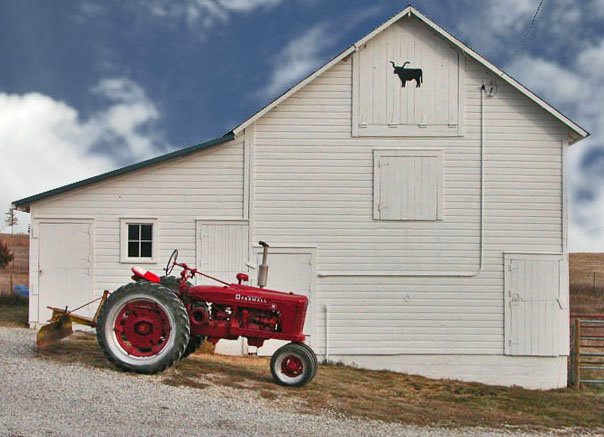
<point x="143" y="327"/>
<point x="293" y="365"/>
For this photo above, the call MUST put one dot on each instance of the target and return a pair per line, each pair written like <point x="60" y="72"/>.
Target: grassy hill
<point x="587" y="283"/>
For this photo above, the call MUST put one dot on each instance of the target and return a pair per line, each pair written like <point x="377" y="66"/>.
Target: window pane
<point x="146" y="250"/>
<point x="133" y="232"/>
<point x="146" y="232"/>
<point x="133" y="250"/>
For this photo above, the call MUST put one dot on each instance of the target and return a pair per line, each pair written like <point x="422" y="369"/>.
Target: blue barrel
<point x="22" y="291"/>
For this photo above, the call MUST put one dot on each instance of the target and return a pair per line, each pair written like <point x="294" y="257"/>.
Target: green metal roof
<point x="19" y="204"/>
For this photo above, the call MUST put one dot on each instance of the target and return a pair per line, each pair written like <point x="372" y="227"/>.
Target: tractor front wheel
<point x="293" y="365"/>
<point x="143" y="327"/>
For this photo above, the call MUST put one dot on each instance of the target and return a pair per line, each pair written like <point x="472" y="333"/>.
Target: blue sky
<point x="88" y="86"/>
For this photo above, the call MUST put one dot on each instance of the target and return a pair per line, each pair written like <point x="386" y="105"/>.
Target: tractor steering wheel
<point x="171" y="262"/>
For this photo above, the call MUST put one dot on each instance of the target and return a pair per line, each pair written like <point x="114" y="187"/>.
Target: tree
<point x="5" y="255"/>
<point x="11" y="219"/>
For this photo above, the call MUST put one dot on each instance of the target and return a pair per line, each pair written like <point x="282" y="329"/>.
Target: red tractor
<point x="148" y="325"/>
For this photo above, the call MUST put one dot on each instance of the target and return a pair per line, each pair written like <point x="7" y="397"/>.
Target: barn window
<point x="139" y="240"/>
<point x="408" y="185"/>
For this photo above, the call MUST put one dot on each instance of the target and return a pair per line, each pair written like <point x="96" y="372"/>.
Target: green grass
<point x="13" y="311"/>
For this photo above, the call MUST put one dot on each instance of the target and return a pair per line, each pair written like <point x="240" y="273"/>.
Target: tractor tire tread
<point x="303" y="350"/>
<point x="313" y="355"/>
<point x="195" y="342"/>
<point x="181" y="318"/>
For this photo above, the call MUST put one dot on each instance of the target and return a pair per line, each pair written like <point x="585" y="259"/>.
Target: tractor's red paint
<point x="242" y="311"/>
<point x="142" y="328"/>
<point x="239" y="310"/>
<point x="215" y="312"/>
<point x="148" y="325"/>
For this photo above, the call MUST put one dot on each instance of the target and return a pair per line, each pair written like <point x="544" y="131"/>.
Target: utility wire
<point x="531" y="24"/>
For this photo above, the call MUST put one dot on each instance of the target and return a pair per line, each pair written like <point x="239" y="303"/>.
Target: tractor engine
<point x="238" y="310"/>
<point x="247" y="318"/>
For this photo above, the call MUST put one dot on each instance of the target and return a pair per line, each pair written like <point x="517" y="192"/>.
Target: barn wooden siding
<point x="206" y="185"/>
<point x="313" y="186"/>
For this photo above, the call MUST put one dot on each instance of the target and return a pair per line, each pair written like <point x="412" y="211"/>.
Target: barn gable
<point x="408" y="48"/>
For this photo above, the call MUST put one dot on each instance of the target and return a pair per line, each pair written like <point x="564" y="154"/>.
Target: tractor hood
<point x="246" y="296"/>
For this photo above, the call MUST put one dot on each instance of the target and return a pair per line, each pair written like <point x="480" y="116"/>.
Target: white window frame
<point x="124" y="222"/>
<point x="402" y="153"/>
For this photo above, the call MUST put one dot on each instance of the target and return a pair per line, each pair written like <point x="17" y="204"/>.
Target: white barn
<point x="427" y="223"/>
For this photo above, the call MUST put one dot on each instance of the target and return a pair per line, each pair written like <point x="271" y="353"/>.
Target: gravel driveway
<point x="39" y="397"/>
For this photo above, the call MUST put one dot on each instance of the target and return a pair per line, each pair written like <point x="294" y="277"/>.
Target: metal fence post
<point x="575" y="372"/>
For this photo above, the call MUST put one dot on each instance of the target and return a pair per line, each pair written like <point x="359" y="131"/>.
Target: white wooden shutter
<point x="408" y="185"/>
<point x="536" y="305"/>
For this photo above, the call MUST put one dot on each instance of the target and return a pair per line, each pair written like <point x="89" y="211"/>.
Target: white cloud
<point x="496" y="26"/>
<point x="130" y="110"/>
<point x="562" y="86"/>
<point x="247" y="5"/>
<point x="44" y="143"/>
<point x="207" y="13"/>
<point x="299" y="57"/>
<point x="306" y="52"/>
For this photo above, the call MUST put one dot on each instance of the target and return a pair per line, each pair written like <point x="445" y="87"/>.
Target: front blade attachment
<point x="54" y="332"/>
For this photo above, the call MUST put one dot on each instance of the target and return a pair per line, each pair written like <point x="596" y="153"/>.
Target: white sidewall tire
<point x="300" y="352"/>
<point x="113" y="344"/>
<point x="172" y="307"/>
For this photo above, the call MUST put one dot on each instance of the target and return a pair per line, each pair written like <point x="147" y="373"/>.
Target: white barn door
<point x="290" y="270"/>
<point x="536" y="305"/>
<point x="64" y="267"/>
<point x="223" y="251"/>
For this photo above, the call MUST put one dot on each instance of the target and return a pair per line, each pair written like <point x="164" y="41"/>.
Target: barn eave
<point x="24" y="204"/>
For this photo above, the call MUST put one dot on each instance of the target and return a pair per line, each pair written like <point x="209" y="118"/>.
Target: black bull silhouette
<point x="408" y="74"/>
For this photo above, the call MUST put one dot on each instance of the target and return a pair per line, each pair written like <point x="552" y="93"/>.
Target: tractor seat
<point x="145" y="274"/>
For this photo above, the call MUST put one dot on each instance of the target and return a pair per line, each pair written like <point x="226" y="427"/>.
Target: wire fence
<point x="587" y="292"/>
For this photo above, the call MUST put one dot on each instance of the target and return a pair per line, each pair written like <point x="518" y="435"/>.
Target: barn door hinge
<point x="363" y="121"/>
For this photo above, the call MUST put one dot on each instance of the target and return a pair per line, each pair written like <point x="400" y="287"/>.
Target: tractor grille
<point x="300" y="318"/>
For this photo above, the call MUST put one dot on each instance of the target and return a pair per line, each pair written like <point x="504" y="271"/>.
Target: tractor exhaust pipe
<point x="263" y="268"/>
